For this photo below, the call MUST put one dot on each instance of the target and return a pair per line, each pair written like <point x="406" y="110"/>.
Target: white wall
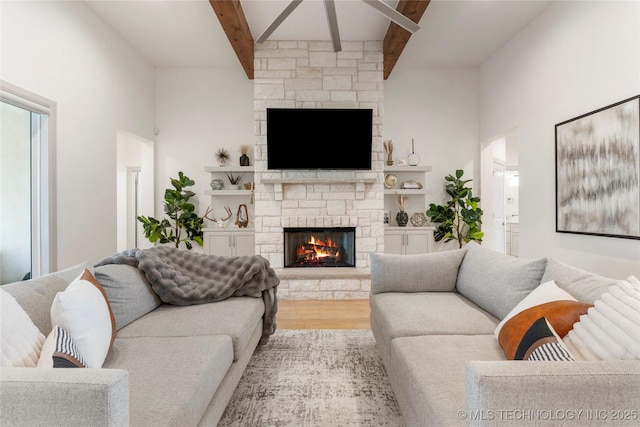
<point x="200" y="110"/>
<point x="574" y="58"/>
<point x="62" y="51"/>
<point x="438" y="108"/>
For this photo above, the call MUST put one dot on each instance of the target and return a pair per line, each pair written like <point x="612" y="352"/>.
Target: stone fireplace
<point x="309" y="74"/>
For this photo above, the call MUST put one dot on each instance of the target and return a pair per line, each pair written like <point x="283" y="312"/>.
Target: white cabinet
<point x="402" y="241"/>
<point x="229" y="242"/>
<point x="513" y="242"/>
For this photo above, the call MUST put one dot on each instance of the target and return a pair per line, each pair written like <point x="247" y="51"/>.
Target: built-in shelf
<point x="407" y="168"/>
<point x="227" y="192"/>
<point x="421" y="191"/>
<point x="223" y="169"/>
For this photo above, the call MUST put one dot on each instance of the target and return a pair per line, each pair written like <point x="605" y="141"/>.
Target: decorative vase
<point x="390" y="159"/>
<point x="244" y="160"/>
<point x="217" y="184"/>
<point x="402" y="218"/>
<point x="413" y="159"/>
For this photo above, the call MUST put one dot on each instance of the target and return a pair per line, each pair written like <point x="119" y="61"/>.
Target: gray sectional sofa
<point x="433" y="317"/>
<point x="169" y="365"/>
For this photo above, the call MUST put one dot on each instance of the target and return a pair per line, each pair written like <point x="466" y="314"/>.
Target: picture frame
<point x="598" y="172"/>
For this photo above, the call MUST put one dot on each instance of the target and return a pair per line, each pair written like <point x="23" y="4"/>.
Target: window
<point x="27" y="237"/>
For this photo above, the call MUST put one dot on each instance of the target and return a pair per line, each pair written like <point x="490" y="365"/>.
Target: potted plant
<point x="460" y="219"/>
<point x="234" y="180"/>
<point x="182" y="223"/>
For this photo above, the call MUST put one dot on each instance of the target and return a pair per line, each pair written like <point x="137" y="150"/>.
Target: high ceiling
<point x="187" y="33"/>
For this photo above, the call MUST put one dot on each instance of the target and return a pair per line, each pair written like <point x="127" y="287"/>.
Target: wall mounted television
<point x="319" y="138"/>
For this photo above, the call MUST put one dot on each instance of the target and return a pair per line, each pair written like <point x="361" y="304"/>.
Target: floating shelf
<point x="227" y="192"/>
<point x="408" y="168"/>
<point x="224" y="169"/>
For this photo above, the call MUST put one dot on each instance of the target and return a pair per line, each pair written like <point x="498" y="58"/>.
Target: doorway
<point x="499" y="192"/>
<point x="135" y="195"/>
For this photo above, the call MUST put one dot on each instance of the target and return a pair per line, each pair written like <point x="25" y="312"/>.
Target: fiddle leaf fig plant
<point x="182" y="223"/>
<point x="461" y="217"/>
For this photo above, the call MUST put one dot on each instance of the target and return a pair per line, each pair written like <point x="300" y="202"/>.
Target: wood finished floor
<point x="323" y="314"/>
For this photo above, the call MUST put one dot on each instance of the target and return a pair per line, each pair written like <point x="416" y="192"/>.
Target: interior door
<point x="499" y="221"/>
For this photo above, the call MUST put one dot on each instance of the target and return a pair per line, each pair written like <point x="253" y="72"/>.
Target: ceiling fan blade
<point x="330" y="9"/>
<point x="393" y="15"/>
<point x="275" y="24"/>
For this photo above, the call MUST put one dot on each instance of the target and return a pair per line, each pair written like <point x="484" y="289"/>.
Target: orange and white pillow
<point x="548" y="307"/>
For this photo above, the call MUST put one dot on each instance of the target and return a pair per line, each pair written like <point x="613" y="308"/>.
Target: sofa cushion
<point x="583" y="285"/>
<point x="611" y="328"/>
<point x="497" y="282"/>
<point x="429" y="373"/>
<point x="59" y="351"/>
<point x="175" y="385"/>
<point x="35" y="295"/>
<point x="83" y="311"/>
<point x="431" y="272"/>
<point x="130" y="294"/>
<point x="236" y="317"/>
<point x="21" y="339"/>
<point x="397" y="314"/>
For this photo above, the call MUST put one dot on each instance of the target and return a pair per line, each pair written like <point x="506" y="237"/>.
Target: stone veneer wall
<point x="309" y="74"/>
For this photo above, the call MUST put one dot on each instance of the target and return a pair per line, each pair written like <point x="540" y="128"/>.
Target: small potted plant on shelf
<point x="234" y="180"/>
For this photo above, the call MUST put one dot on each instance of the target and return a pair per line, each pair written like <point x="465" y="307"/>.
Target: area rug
<point x="314" y="377"/>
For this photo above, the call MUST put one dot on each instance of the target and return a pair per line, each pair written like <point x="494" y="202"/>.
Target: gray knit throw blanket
<point x="182" y="277"/>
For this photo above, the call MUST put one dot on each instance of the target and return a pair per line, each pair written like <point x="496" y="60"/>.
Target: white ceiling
<point x="187" y="33"/>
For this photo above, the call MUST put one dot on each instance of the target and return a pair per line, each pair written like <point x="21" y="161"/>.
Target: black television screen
<point x="312" y="138"/>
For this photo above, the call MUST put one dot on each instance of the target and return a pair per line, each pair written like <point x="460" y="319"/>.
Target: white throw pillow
<point x="83" y="311"/>
<point x="544" y="293"/>
<point x="21" y="339"/>
<point x="611" y="328"/>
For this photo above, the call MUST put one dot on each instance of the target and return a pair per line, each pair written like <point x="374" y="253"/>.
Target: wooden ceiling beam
<point x="235" y="26"/>
<point x="397" y="37"/>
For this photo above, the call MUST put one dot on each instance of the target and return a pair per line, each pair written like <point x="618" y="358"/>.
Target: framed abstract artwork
<point x="598" y="172"/>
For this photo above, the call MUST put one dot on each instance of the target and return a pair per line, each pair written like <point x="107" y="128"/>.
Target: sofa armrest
<point x="69" y="397"/>
<point x="543" y="393"/>
<point x="430" y="272"/>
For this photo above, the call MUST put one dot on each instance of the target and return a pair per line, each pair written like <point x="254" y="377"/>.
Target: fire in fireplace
<point x="319" y="247"/>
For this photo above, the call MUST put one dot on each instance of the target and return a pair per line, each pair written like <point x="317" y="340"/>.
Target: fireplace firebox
<point x="320" y="247"/>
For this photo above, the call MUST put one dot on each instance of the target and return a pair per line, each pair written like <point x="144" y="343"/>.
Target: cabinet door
<point x="218" y="244"/>
<point x="245" y="244"/>
<point x="515" y="243"/>
<point x="417" y="242"/>
<point x="394" y="242"/>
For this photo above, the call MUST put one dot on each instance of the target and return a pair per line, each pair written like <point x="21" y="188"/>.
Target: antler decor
<point x="220" y="221"/>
